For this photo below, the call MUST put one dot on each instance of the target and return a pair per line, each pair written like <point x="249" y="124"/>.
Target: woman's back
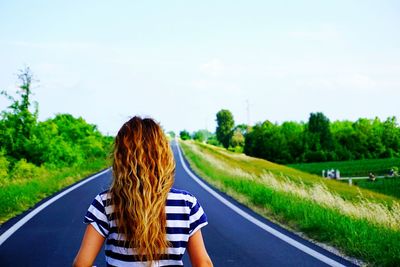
<point x="143" y="220"/>
<point x="184" y="217"/>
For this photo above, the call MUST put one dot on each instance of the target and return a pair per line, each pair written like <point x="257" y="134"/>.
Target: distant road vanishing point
<point x="235" y="236"/>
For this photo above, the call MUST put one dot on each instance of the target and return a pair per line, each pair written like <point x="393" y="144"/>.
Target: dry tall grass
<point x="374" y="212"/>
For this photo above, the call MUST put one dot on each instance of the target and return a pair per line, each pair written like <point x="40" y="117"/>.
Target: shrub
<point x="92" y="146"/>
<point x="25" y="170"/>
<point x="3" y="166"/>
<point x="201" y="135"/>
<point x="237" y="149"/>
<point x="213" y="141"/>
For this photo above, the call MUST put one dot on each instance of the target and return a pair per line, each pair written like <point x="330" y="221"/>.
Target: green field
<point x="351" y="168"/>
<point x="359" y="222"/>
<point x="388" y="186"/>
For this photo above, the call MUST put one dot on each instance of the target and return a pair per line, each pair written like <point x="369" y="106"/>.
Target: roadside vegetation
<point x="359" y="222"/>
<point x="317" y="140"/>
<point x="320" y="140"/>
<point x="38" y="158"/>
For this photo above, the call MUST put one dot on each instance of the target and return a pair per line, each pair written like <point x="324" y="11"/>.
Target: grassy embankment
<point x="359" y="222"/>
<point x="18" y="195"/>
<point x="387" y="186"/>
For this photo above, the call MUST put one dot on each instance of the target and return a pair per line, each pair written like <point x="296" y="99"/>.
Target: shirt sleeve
<point x="197" y="217"/>
<point x="96" y="216"/>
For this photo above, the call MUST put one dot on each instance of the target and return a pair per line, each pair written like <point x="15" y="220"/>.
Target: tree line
<point x="26" y="143"/>
<point x="316" y="140"/>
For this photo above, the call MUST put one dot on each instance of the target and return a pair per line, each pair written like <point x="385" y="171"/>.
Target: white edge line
<point x="257" y="222"/>
<point x="31" y="214"/>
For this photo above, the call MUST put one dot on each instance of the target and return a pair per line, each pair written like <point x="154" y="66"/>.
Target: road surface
<point x="52" y="237"/>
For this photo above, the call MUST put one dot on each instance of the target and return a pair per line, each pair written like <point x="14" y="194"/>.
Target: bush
<point x="3" y="166"/>
<point x="237" y="139"/>
<point x="237" y="149"/>
<point x="93" y="147"/>
<point x="201" y="135"/>
<point x="66" y="141"/>
<point x="32" y="153"/>
<point x="213" y="141"/>
<point x="62" y="153"/>
<point x="25" y="170"/>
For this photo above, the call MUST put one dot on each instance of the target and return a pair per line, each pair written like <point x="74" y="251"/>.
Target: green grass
<point x="19" y="195"/>
<point x="355" y="233"/>
<point x="351" y="167"/>
<point x="388" y="186"/>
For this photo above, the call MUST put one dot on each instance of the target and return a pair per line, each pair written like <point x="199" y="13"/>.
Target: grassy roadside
<point x="360" y="223"/>
<point x="18" y="195"/>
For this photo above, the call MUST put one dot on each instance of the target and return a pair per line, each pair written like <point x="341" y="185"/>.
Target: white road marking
<point x="30" y="215"/>
<point x="257" y="222"/>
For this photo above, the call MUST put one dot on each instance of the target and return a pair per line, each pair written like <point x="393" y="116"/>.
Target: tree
<point x="237" y="139"/>
<point x="61" y="141"/>
<point x="243" y="128"/>
<point x="171" y="134"/>
<point x="319" y="127"/>
<point x="267" y="141"/>
<point x="292" y="133"/>
<point x="201" y="135"/>
<point x="344" y="134"/>
<point x="212" y="140"/>
<point x="18" y="122"/>
<point x="391" y="137"/>
<point x="225" y="124"/>
<point x="318" y="141"/>
<point x="184" y="135"/>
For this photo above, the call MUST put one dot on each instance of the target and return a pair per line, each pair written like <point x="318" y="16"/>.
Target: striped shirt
<point x="184" y="217"/>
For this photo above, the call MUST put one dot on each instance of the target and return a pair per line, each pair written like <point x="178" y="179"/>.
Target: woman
<point x="144" y="221"/>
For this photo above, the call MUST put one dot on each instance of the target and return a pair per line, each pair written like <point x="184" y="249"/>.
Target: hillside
<point x="359" y="222"/>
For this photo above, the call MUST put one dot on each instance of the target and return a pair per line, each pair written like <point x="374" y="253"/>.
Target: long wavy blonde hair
<point x="143" y="174"/>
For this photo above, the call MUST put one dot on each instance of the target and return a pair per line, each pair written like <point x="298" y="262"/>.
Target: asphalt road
<point x="52" y="237"/>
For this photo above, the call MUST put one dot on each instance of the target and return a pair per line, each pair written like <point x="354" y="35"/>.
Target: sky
<point x="180" y="62"/>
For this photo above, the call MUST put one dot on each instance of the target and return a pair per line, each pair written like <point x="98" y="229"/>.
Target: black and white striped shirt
<point x="184" y="217"/>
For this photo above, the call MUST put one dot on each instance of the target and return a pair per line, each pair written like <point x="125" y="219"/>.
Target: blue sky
<point x="182" y="61"/>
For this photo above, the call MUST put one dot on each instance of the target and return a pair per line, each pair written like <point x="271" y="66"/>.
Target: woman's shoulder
<point x="179" y="191"/>
<point x="104" y="195"/>
<point x="179" y="194"/>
